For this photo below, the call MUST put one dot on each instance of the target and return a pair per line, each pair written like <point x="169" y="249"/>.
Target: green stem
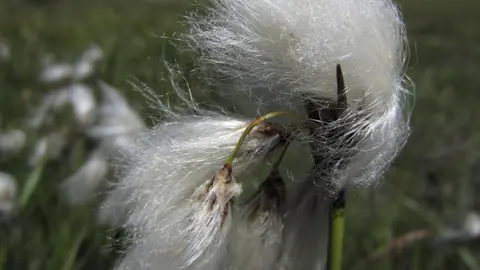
<point x="247" y="131"/>
<point x="336" y="232"/>
<point x="32" y="183"/>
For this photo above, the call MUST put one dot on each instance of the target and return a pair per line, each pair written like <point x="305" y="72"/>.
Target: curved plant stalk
<point x="31" y="183"/>
<point x="247" y="131"/>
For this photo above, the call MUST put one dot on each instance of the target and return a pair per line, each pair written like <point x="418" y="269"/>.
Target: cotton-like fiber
<point x="171" y="221"/>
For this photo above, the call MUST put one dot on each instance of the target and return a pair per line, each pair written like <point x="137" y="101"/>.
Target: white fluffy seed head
<point x="83" y="185"/>
<point x="116" y="127"/>
<point x="12" y="141"/>
<point x="294" y="46"/>
<point x="115" y="117"/>
<point x="159" y="195"/>
<point x="83" y="102"/>
<point x="285" y="52"/>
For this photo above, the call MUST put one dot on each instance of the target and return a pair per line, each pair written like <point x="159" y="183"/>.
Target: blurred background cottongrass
<point x="60" y="59"/>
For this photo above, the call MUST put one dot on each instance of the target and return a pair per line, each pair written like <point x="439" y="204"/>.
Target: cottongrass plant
<point x="337" y="67"/>
<point x="110" y="122"/>
<point x="115" y="125"/>
<point x="11" y="142"/>
<point x="70" y="114"/>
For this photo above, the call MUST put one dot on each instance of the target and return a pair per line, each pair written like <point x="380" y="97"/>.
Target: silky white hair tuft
<point x="285" y="53"/>
<point x="294" y="46"/>
<point x="173" y="223"/>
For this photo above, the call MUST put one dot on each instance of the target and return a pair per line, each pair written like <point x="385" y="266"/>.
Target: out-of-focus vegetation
<point x="430" y="189"/>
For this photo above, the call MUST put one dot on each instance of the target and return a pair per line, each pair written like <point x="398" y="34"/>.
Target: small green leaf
<point x="31" y="183"/>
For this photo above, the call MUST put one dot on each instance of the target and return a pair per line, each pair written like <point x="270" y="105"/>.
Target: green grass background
<point x="433" y="184"/>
